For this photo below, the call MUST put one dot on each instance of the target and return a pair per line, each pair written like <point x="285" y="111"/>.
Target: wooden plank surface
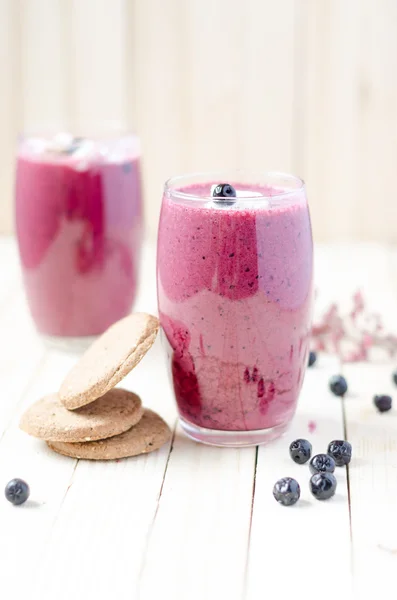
<point x="373" y="479"/>
<point x="202" y="524"/>
<point x="194" y="521"/>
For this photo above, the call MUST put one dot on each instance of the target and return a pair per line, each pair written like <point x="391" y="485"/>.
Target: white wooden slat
<point x="213" y="69"/>
<point x="10" y="102"/>
<point x="97" y="53"/>
<point x="198" y="543"/>
<point x="377" y="148"/>
<point x="108" y="504"/>
<point x="163" y="120"/>
<point x="291" y="546"/>
<point x="331" y="140"/>
<point x="262" y="133"/>
<point x="373" y="474"/>
<point x="373" y="478"/>
<point x="44" y="82"/>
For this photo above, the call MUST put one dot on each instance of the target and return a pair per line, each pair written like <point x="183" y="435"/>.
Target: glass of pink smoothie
<point x="234" y="281"/>
<point x="79" y="226"/>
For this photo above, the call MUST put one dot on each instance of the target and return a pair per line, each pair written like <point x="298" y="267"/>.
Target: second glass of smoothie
<point x="79" y="225"/>
<point x="235" y="265"/>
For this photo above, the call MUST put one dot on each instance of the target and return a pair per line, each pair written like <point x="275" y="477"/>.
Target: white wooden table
<point x="194" y="522"/>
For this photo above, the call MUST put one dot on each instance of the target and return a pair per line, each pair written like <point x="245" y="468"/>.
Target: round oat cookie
<point x="110" y="415"/>
<point x="110" y="358"/>
<point x="148" y="435"/>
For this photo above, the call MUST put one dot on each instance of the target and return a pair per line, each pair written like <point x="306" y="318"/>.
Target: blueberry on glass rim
<point x="323" y="485"/>
<point x="341" y="452"/>
<point x="17" y="491"/>
<point x="322" y="463"/>
<point x="338" y="385"/>
<point x="287" y="491"/>
<point x="74" y="145"/>
<point x="224" y="193"/>
<point x="300" y="451"/>
<point x="312" y="358"/>
<point x="395" y="376"/>
<point x="383" y="403"/>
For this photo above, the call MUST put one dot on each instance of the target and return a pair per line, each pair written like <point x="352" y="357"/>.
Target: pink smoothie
<point x="235" y="295"/>
<point x="79" y="226"/>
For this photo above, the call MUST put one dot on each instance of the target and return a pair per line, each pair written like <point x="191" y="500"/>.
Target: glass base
<point x="75" y="345"/>
<point x="232" y="439"/>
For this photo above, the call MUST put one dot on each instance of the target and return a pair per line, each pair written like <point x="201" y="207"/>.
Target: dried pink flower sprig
<point x="353" y="336"/>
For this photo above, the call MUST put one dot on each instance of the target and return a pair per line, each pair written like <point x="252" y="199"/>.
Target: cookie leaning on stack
<point x="89" y="419"/>
<point x="109" y="359"/>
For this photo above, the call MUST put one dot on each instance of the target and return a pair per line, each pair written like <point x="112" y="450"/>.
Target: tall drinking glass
<point x="234" y="280"/>
<point x="79" y="226"/>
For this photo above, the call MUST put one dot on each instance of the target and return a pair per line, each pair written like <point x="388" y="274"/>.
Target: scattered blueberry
<point x="300" y="451"/>
<point x="312" y="358"/>
<point x="341" y="452"/>
<point x="323" y="485"/>
<point x="338" y="385"/>
<point x="383" y="403"/>
<point x="17" y="491"/>
<point x="322" y="463"/>
<point x="226" y="192"/>
<point x="287" y="491"/>
<point x="395" y="376"/>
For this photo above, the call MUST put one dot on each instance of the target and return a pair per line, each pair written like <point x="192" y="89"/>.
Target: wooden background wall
<point x="308" y="86"/>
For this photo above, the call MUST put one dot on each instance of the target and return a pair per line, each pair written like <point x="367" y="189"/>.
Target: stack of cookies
<point x="90" y="418"/>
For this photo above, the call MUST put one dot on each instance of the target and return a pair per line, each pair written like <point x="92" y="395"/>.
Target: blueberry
<point x="312" y="358"/>
<point x="225" y="192"/>
<point x="383" y="403"/>
<point x="287" y="491"/>
<point x="322" y="463"/>
<point x="338" y="385"/>
<point x="341" y="452"/>
<point x="395" y="376"/>
<point x="17" y="491"/>
<point x="323" y="485"/>
<point x="300" y="451"/>
<point x="74" y="145"/>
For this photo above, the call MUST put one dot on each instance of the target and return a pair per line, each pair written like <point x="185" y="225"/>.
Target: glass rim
<point x="48" y="134"/>
<point x="64" y="147"/>
<point x="296" y="183"/>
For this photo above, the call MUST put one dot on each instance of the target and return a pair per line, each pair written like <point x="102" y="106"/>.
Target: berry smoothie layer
<point x="79" y="226"/>
<point x="235" y="296"/>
